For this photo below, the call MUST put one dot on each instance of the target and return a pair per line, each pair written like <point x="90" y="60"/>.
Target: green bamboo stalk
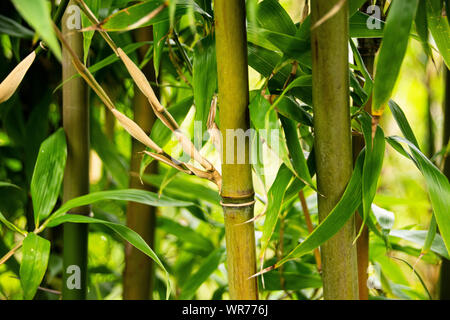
<point x="237" y="186"/>
<point x="138" y="274"/>
<point x="333" y="145"/>
<point x="444" y="281"/>
<point x="76" y="176"/>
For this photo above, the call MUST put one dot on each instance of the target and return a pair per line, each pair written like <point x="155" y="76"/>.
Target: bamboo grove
<point x="226" y="149"/>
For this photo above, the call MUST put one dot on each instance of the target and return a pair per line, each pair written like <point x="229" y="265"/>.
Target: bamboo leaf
<point x="346" y="207"/>
<point x="36" y="251"/>
<point x="135" y="195"/>
<point x="209" y="265"/>
<point x="185" y="234"/>
<point x="126" y="233"/>
<point x="37" y="14"/>
<point x="296" y="151"/>
<point x="438" y="188"/>
<point x="145" y="14"/>
<point x="160" y="32"/>
<point x="437" y="183"/>
<point x="10" y="27"/>
<point x="358" y="26"/>
<point x="290" y="109"/>
<point x="205" y="80"/>
<point x="94" y="6"/>
<point x="265" y="120"/>
<point x="48" y="175"/>
<point x="274" y="200"/>
<point x="272" y="16"/>
<point x="292" y="281"/>
<point x="11" y="226"/>
<point x="392" y="51"/>
<point x="373" y="161"/>
<point x="422" y="26"/>
<point x="439" y="27"/>
<point x="419" y="237"/>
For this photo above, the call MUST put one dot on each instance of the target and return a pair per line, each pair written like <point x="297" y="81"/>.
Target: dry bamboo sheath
<point x="237" y="186"/>
<point x="333" y="144"/>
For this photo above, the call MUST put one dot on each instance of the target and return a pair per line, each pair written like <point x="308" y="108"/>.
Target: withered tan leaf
<point x="140" y="80"/>
<point x="13" y="80"/>
<point x="135" y="131"/>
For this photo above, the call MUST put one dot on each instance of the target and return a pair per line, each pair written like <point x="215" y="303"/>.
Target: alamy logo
<point x="73" y="21"/>
<point x="74" y="280"/>
<point x="374" y="21"/>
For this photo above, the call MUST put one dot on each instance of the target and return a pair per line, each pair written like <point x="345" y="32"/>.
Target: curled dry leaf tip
<point x="13" y="80"/>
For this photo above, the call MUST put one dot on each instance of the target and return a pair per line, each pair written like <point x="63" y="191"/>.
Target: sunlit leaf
<point x="35" y="251"/>
<point x="48" y="175"/>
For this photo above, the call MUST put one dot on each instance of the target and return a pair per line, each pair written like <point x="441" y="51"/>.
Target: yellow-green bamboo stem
<point x="76" y="176"/>
<point x="138" y="273"/>
<point x="237" y="186"/>
<point x="444" y="281"/>
<point x="333" y="146"/>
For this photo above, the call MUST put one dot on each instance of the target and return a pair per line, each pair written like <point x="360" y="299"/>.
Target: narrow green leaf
<point x="439" y="27"/>
<point x="48" y="175"/>
<point x="12" y="28"/>
<point x="126" y="233"/>
<point x="272" y="16"/>
<point x="393" y="49"/>
<point x="131" y="17"/>
<point x="291" y="109"/>
<point x="346" y="207"/>
<point x="185" y="234"/>
<point x="204" y="81"/>
<point x="292" y="281"/>
<point x="422" y="26"/>
<point x="296" y="151"/>
<point x="94" y="6"/>
<point x="35" y="254"/>
<point x="160" y="32"/>
<point x="419" y="237"/>
<point x="135" y="195"/>
<point x="207" y="268"/>
<point x="358" y="26"/>
<point x="11" y="226"/>
<point x="37" y="14"/>
<point x="437" y="183"/>
<point x="438" y="188"/>
<point x="274" y="200"/>
<point x="373" y="161"/>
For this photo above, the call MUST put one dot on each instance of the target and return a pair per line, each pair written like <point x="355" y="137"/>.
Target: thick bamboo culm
<point x="444" y="281"/>
<point x="76" y="176"/>
<point x="237" y="185"/>
<point x="138" y="274"/>
<point x="333" y="145"/>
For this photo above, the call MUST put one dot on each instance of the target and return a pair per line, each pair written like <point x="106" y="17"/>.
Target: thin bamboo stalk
<point x="76" y="176"/>
<point x="237" y="186"/>
<point x="367" y="49"/>
<point x="138" y="274"/>
<point x="444" y="281"/>
<point x="333" y="147"/>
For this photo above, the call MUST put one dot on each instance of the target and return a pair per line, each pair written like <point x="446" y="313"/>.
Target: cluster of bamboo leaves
<point x="183" y="38"/>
